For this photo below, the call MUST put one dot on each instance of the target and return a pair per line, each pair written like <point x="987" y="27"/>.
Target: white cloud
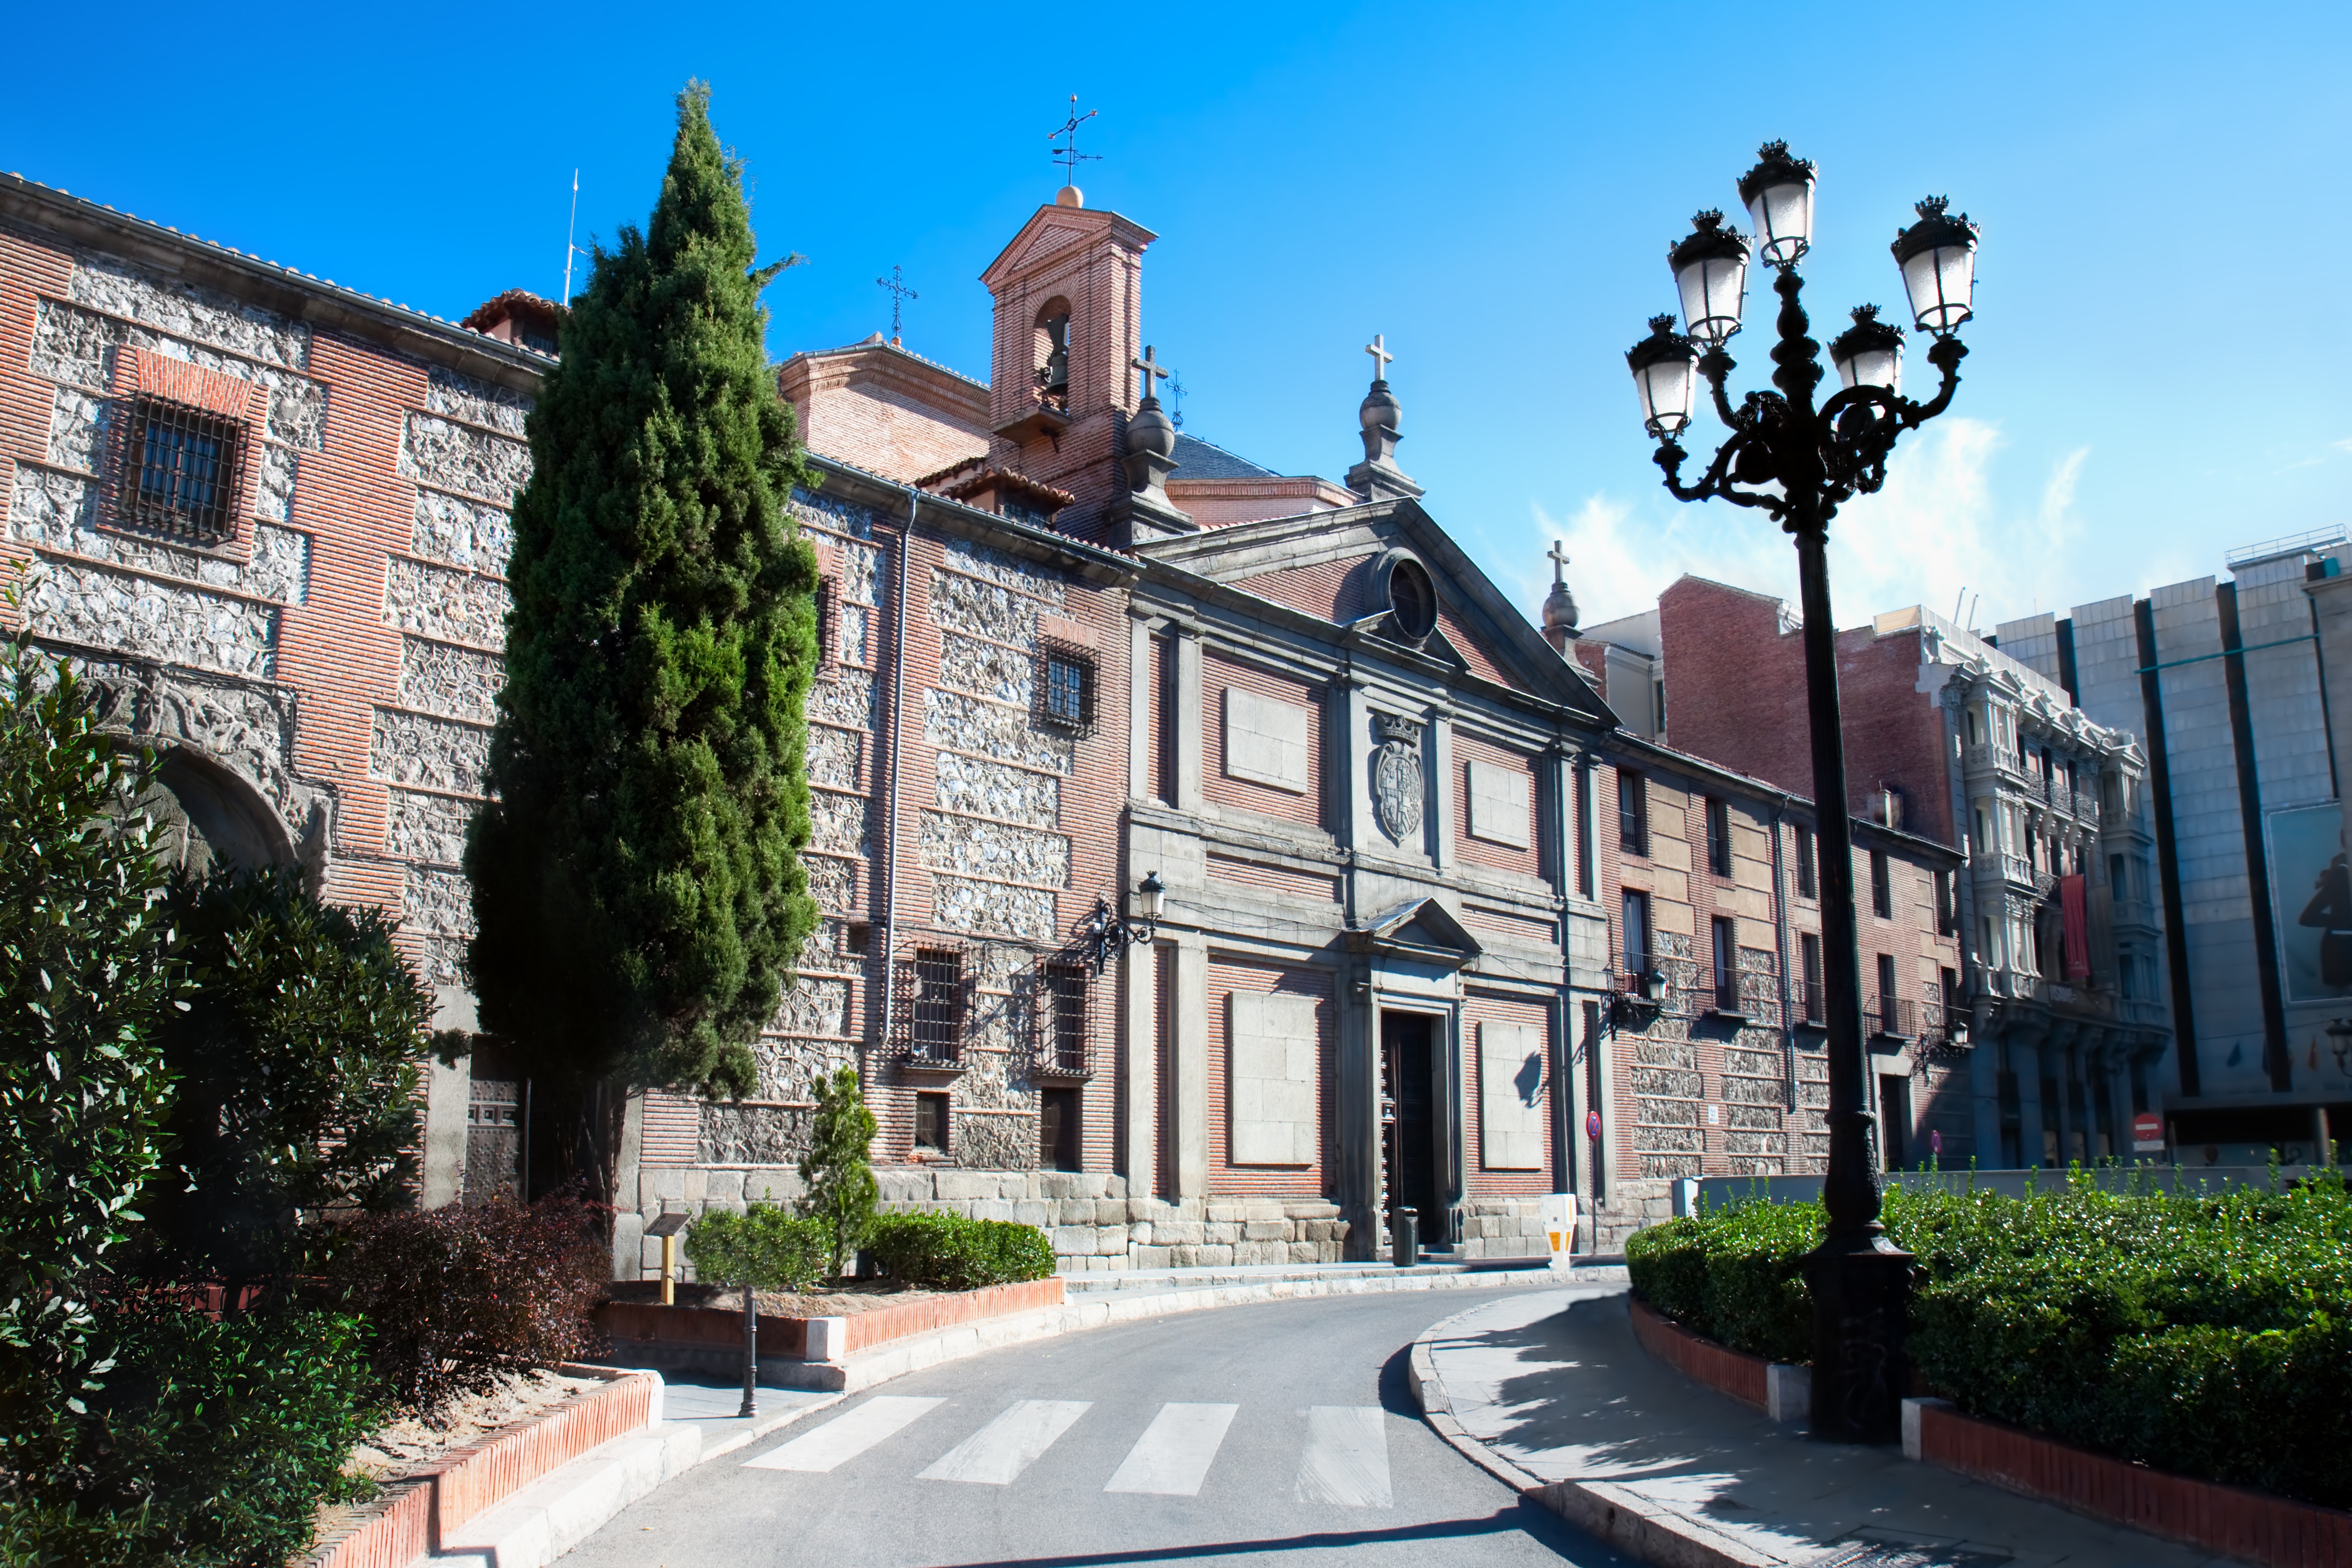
<point x="1935" y="530"/>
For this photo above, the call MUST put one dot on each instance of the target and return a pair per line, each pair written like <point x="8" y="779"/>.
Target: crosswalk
<point x="1344" y="1461"/>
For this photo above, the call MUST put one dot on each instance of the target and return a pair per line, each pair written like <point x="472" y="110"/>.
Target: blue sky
<point x="2157" y="375"/>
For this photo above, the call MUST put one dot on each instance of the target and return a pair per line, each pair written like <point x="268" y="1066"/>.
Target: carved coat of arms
<point x="1396" y="776"/>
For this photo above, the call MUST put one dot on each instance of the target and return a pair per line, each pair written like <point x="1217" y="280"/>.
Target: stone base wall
<point x="1634" y="1205"/>
<point x="1503" y="1228"/>
<point x="1095" y="1225"/>
<point x="1091" y="1221"/>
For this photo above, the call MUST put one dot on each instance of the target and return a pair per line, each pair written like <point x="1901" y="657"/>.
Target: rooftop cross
<point x="899" y="295"/>
<point x="1150" y="366"/>
<point x="1176" y="392"/>
<point x="1558" y="556"/>
<point x="1377" y="349"/>
<point x="1069" y="157"/>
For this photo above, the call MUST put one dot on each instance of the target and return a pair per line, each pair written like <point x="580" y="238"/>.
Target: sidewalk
<point x="1552" y="1388"/>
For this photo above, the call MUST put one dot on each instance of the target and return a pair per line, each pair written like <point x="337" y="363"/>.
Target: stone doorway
<point x="1410" y="1177"/>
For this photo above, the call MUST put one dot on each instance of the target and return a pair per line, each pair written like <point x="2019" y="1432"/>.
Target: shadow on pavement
<point x="1530" y="1518"/>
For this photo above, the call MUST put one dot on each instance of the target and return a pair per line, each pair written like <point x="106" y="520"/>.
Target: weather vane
<point x="899" y="295"/>
<point x="1069" y="156"/>
<point x="1176" y="396"/>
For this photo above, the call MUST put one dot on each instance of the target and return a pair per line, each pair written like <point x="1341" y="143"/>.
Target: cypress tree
<point x="638" y="885"/>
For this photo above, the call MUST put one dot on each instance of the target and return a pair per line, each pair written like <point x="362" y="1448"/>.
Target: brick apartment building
<point x="2052" y="949"/>
<point x="1433" y="919"/>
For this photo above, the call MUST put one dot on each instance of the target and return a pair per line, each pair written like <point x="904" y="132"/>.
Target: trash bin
<point x="1405" y="1237"/>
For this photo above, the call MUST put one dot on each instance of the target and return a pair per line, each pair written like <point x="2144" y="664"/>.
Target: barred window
<point x="182" y="469"/>
<point x="938" y="1031"/>
<point x="1061" y="1018"/>
<point x="1064" y="679"/>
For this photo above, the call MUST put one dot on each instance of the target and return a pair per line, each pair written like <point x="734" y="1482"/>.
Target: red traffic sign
<point x="2147" y="1132"/>
<point x="1593" y="1125"/>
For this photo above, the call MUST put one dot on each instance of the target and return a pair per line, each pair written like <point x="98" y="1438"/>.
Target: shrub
<point x="86" y="968"/>
<point x="841" y="1189"/>
<point x="455" y="1296"/>
<point x="297" y="1061"/>
<point x="2205" y="1334"/>
<point x="762" y="1248"/>
<point x="949" y="1252"/>
<point x="210" y="1447"/>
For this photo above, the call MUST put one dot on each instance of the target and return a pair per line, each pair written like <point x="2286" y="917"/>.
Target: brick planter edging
<point x="2231" y="1521"/>
<point x="643" y="1324"/>
<point x="435" y="1499"/>
<point x="1721" y="1368"/>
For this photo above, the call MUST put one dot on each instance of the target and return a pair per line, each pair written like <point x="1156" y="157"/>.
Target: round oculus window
<point x="1412" y="599"/>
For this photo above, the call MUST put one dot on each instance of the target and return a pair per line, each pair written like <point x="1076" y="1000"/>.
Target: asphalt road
<point x="1273" y="1435"/>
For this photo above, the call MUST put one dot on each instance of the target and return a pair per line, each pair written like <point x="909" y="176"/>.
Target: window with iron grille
<point x="826" y="634"/>
<point x="1726" y="964"/>
<point x="181" y="470"/>
<point x="1809" y="956"/>
<point x="1065" y="682"/>
<point x="1634" y="915"/>
<point x="1061" y="1019"/>
<point x="931" y="1007"/>
<point x="1718" y="838"/>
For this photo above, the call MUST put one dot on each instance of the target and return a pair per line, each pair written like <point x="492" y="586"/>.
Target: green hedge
<point x="763" y="1247"/>
<point x="949" y="1252"/>
<point x="2205" y="1334"/>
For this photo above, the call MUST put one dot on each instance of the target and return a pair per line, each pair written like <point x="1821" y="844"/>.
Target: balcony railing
<point x="1891" y="1017"/>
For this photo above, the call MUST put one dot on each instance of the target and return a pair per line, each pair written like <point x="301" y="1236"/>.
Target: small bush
<point x="455" y="1296"/>
<point x="210" y="1445"/>
<point x="1733" y="1276"/>
<point x="762" y="1248"/>
<point x="949" y="1252"/>
<point x="841" y="1187"/>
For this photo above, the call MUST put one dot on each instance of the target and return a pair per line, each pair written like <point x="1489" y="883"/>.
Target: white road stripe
<point x="1009" y="1445"/>
<point x="1346" y="1457"/>
<point x="844" y="1437"/>
<point x="1172" y="1456"/>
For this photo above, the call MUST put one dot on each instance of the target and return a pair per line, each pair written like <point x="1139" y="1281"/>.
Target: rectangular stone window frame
<point x="1062" y="689"/>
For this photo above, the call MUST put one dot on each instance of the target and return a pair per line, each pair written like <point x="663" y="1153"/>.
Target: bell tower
<point x="1069" y="324"/>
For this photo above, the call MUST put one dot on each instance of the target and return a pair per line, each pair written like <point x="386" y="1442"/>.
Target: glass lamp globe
<point x="1152" y="897"/>
<point x="1710" y="271"/>
<point x="1938" y="258"/>
<point x="1665" y="376"/>
<point x="1779" y="195"/>
<point x="1869" y="352"/>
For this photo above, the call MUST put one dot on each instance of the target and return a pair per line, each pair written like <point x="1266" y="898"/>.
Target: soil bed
<point x="409" y="1441"/>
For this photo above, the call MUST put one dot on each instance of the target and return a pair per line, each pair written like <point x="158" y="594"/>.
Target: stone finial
<point x="1376" y="477"/>
<point x="1559" y="606"/>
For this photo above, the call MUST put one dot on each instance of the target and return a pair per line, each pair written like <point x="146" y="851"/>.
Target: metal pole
<point x="1858" y="1278"/>
<point x="750" y="1353"/>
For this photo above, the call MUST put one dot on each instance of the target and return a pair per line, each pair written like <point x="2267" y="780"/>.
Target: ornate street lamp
<point x="1106" y="935"/>
<point x="1799" y="462"/>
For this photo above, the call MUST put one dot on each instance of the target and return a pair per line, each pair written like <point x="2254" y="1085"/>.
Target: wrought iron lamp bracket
<point x="1104" y="935"/>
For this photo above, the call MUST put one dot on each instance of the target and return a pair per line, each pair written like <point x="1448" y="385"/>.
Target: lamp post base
<point x="1860" y="1288"/>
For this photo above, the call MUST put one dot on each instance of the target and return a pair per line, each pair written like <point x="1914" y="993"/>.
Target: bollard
<point x="750" y="1353"/>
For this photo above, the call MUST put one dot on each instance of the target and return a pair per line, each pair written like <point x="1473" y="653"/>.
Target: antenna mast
<point x="571" y="227"/>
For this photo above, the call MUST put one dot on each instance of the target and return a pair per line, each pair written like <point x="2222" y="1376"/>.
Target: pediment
<point x="1054" y="229"/>
<point x="1325" y="565"/>
<point x="1422" y="931"/>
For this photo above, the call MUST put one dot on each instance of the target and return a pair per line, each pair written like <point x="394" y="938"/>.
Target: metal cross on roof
<point x="1377" y="349"/>
<point x="1069" y="157"/>
<point x="1149" y="365"/>
<point x="1176" y="396"/>
<point x="1558" y="556"/>
<point x="899" y="295"/>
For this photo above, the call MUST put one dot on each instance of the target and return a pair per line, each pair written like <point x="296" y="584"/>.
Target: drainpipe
<point x="890" y="781"/>
<point x="1781" y="963"/>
